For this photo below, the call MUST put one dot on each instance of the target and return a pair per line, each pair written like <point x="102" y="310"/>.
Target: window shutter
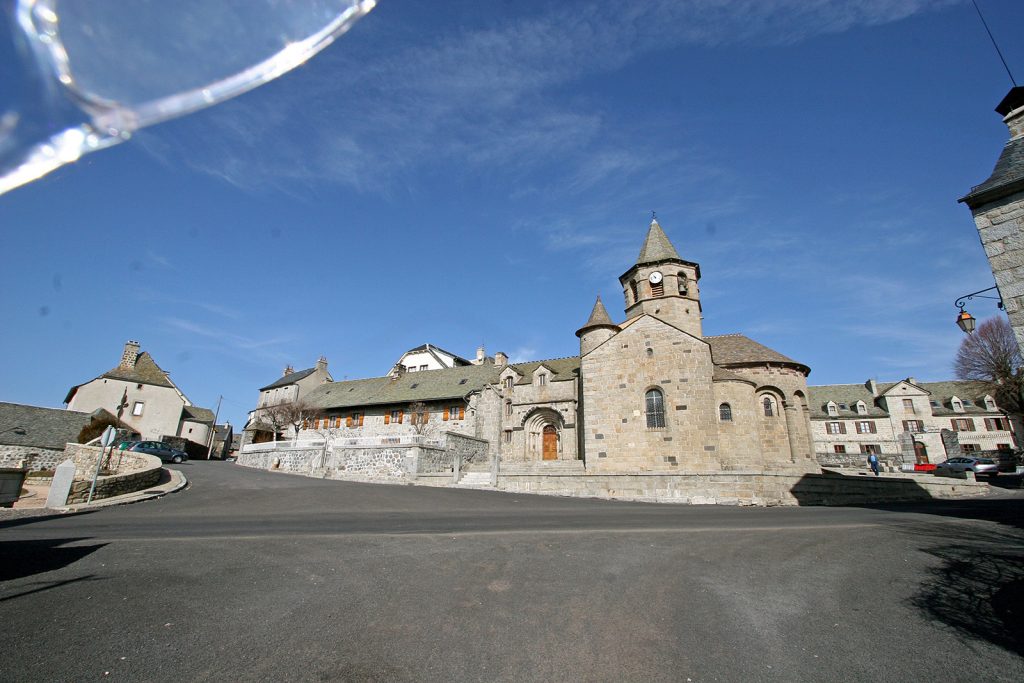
<point x="401" y="414"/>
<point x="445" y="418"/>
<point x="970" y="424"/>
<point x="842" y="427"/>
<point x="952" y="421"/>
<point x="348" y="421"/>
<point x="387" y="417"/>
<point x="462" y="413"/>
<point x="988" y="424"/>
<point x="872" y="428"/>
<point x="426" y="416"/>
<point x="360" y="419"/>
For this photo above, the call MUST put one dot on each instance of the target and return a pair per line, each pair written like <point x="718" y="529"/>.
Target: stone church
<point x="649" y="394"/>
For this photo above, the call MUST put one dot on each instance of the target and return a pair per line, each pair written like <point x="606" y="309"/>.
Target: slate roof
<point x="721" y="375"/>
<point x="290" y="378"/>
<point x="425" y="385"/>
<point x="657" y="246"/>
<point x="598" y="317"/>
<point x="940" y="392"/>
<point x="563" y="368"/>
<point x="738" y="349"/>
<point x="44" y="427"/>
<point x="146" y="371"/>
<point x="1008" y="175"/>
<point x="197" y="414"/>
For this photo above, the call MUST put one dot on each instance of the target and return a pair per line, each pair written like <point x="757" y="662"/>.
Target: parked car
<point x="160" y="450"/>
<point x="982" y="466"/>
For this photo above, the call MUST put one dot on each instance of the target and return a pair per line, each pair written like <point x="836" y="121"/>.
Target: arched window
<point x="633" y="291"/>
<point x="681" y="279"/>
<point x="769" y="406"/>
<point x="655" y="410"/>
<point x="508" y="382"/>
<point x="508" y="408"/>
<point x="725" y="412"/>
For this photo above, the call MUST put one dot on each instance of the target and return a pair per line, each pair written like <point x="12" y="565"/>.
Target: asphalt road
<point x="249" y="575"/>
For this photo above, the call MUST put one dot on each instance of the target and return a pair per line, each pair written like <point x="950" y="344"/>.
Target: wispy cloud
<point x="230" y="340"/>
<point x="487" y="96"/>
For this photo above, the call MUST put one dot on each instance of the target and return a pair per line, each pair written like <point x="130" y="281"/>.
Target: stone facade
<point x="998" y="209"/>
<point x="648" y="395"/>
<point x="849" y="421"/>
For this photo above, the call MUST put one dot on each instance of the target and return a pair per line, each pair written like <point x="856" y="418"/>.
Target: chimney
<point x="872" y="386"/>
<point x="397" y="372"/>
<point x="130" y="354"/>
<point x="1012" y="110"/>
<point x="481" y="354"/>
<point x="500" y="359"/>
<point x="321" y="364"/>
<point x="912" y="380"/>
<point x="288" y="369"/>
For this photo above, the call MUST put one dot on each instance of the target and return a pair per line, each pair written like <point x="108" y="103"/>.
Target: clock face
<point x="655" y="278"/>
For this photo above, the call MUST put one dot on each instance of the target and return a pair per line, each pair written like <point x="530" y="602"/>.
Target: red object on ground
<point x="924" y="468"/>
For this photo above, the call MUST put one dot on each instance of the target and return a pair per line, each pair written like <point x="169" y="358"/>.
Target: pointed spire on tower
<point x="657" y="246"/>
<point x="598" y="318"/>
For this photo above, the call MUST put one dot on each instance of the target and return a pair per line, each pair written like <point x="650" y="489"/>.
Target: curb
<point x="178" y="481"/>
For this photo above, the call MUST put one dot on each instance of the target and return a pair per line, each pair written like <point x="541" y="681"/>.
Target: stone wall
<point x="435" y="461"/>
<point x="284" y="458"/>
<point x="368" y="464"/>
<point x="32" y="457"/>
<point x="1001" y="228"/>
<point x="470" y="450"/>
<point x="617" y="375"/>
<point x="137" y="471"/>
<point x="739" y="488"/>
<point x="860" y="460"/>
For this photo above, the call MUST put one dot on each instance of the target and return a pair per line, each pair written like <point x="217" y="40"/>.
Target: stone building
<point x="650" y="394"/>
<point x="290" y="387"/>
<point x="998" y="209"/>
<point x="154" y="405"/>
<point x="904" y="420"/>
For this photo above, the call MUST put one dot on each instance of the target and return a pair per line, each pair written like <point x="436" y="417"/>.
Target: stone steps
<point x="544" y="467"/>
<point x="475" y="480"/>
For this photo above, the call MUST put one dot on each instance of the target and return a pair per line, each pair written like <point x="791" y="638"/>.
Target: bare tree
<point x="991" y="355"/>
<point x="419" y="418"/>
<point x="291" y="414"/>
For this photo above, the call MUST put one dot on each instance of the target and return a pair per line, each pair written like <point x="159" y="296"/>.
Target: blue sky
<point x="468" y="172"/>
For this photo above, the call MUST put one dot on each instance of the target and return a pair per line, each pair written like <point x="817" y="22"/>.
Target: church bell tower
<point x="663" y="285"/>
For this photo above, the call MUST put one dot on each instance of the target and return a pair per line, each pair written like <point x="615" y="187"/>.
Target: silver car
<point x="984" y="466"/>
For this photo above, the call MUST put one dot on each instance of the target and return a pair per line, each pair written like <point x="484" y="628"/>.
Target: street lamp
<point x="964" y="320"/>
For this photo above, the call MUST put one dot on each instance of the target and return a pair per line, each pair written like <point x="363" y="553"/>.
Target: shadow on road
<point x="977" y="588"/>
<point x="19" y="559"/>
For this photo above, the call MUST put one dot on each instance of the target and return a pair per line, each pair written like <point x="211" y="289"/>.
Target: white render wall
<point x="160" y="416"/>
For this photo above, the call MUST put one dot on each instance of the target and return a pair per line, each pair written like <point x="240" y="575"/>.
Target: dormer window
<point x="542" y="379"/>
<point x="831" y="408"/>
<point x="990" y="404"/>
<point x="843" y="406"/>
<point x="957" y="404"/>
<point x="862" y="408"/>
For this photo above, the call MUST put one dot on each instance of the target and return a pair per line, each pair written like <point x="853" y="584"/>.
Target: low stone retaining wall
<point x="741" y="488"/>
<point x="31" y="458"/>
<point x="137" y="471"/>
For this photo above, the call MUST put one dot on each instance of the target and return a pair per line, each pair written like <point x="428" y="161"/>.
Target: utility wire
<point x="994" y="43"/>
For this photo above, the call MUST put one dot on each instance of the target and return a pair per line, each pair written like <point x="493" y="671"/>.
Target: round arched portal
<point x="543" y="434"/>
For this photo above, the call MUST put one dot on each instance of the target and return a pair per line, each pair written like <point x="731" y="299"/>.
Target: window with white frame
<point x="138" y="407"/>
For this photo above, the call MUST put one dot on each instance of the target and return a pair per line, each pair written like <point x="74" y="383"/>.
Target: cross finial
<point x="654" y="216"/>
